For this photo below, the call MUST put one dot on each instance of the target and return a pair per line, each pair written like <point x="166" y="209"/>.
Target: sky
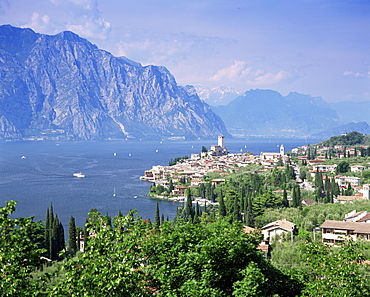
<point x="316" y="47"/>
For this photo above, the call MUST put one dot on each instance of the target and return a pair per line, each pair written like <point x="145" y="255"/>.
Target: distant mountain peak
<point x="217" y="96"/>
<point x="267" y="112"/>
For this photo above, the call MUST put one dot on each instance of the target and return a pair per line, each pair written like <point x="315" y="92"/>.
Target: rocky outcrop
<point x="64" y="86"/>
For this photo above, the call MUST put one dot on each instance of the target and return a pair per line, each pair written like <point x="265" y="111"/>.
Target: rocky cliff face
<point x="64" y="86"/>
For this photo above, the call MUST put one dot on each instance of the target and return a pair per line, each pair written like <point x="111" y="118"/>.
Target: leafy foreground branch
<point x="133" y="257"/>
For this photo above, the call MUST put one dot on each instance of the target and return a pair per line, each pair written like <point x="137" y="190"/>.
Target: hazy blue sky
<point x="318" y="47"/>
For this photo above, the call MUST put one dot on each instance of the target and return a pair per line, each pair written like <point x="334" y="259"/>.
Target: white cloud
<point x="83" y="17"/>
<point x="38" y="23"/>
<point x="354" y="74"/>
<point x="236" y="71"/>
<point x="240" y="72"/>
<point x="270" y="78"/>
<point x="170" y="50"/>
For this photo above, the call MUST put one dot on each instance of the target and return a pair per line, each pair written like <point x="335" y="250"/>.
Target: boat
<point x="114" y="154"/>
<point x="23" y="157"/>
<point x="78" y="174"/>
<point x="114" y="192"/>
<point x="135" y="196"/>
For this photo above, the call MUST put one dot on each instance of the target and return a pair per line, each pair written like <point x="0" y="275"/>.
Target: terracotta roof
<point x="264" y="248"/>
<point x="247" y="229"/>
<point x="282" y="224"/>
<point x="350" y="198"/>
<point x="354" y="226"/>
<point x="308" y="201"/>
<point x="364" y="218"/>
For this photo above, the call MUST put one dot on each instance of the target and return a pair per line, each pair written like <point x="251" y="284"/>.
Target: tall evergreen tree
<point x="157" y="221"/>
<point x="47" y="233"/>
<point x="294" y="197"/>
<point x="170" y="187"/>
<point x="236" y="211"/>
<point x="221" y="207"/>
<point x="285" y="201"/>
<point x="189" y="210"/>
<point x="86" y="235"/>
<point x="72" y="235"/>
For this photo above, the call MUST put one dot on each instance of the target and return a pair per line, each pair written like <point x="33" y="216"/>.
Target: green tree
<point x="189" y="209"/>
<point x="285" y="199"/>
<point x="20" y="253"/>
<point x="222" y="207"/>
<point x="72" y="236"/>
<point x="339" y="269"/>
<point x="342" y="167"/>
<point x="157" y="221"/>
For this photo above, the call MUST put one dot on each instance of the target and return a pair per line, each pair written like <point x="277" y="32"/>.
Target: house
<point x="357" y="168"/>
<point x="360" y="217"/>
<point x="324" y="168"/>
<point x="334" y="232"/>
<point x="179" y="190"/>
<point x="278" y="227"/>
<point x="263" y="246"/>
<point x="344" y="199"/>
<point x="342" y="181"/>
<point x="215" y="182"/>
<point x="308" y="201"/>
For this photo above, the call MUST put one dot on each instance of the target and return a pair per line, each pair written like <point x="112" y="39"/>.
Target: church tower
<point x="221" y="141"/>
<point x="282" y="151"/>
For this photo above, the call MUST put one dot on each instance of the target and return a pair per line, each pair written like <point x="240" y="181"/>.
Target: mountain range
<point x="64" y="87"/>
<point x="267" y="112"/>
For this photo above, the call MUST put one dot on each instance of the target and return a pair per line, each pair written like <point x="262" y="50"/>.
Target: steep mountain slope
<point x="64" y="86"/>
<point x="267" y="112"/>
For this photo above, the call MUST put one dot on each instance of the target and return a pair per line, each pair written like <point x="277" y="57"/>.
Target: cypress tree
<point x="61" y="242"/>
<point x="86" y="235"/>
<point x="294" y="197"/>
<point x="157" y="221"/>
<point x="222" y="207"/>
<point x="249" y="220"/>
<point x="236" y="211"/>
<point x="285" y="199"/>
<point x="72" y="235"/>
<point x="47" y="233"/>
<point x="299" y="198"/>
<point x="189" y="210"/>
<point x="170" y="186"/>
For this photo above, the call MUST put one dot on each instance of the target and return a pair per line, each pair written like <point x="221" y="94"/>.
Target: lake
<point x="37" y="173"/>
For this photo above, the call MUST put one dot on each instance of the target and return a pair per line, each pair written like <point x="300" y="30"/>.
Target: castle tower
<point x="282" y="151"/>
<point x="221" y="140"/>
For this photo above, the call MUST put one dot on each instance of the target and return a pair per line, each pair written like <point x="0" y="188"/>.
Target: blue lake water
<point x="45" y="174"/>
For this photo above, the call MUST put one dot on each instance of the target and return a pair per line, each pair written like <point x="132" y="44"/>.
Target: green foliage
<point x="72" y="236"/>
<point x="20" y="253"/>
<point x="134" y="259"/>
<point x="177" y="160"/>
<point x="351" y="138"/>
<point x="342" y="167"/>
<point x="336" y="271"/>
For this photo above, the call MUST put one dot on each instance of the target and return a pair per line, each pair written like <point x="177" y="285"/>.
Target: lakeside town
<point x="217" y="160"/>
